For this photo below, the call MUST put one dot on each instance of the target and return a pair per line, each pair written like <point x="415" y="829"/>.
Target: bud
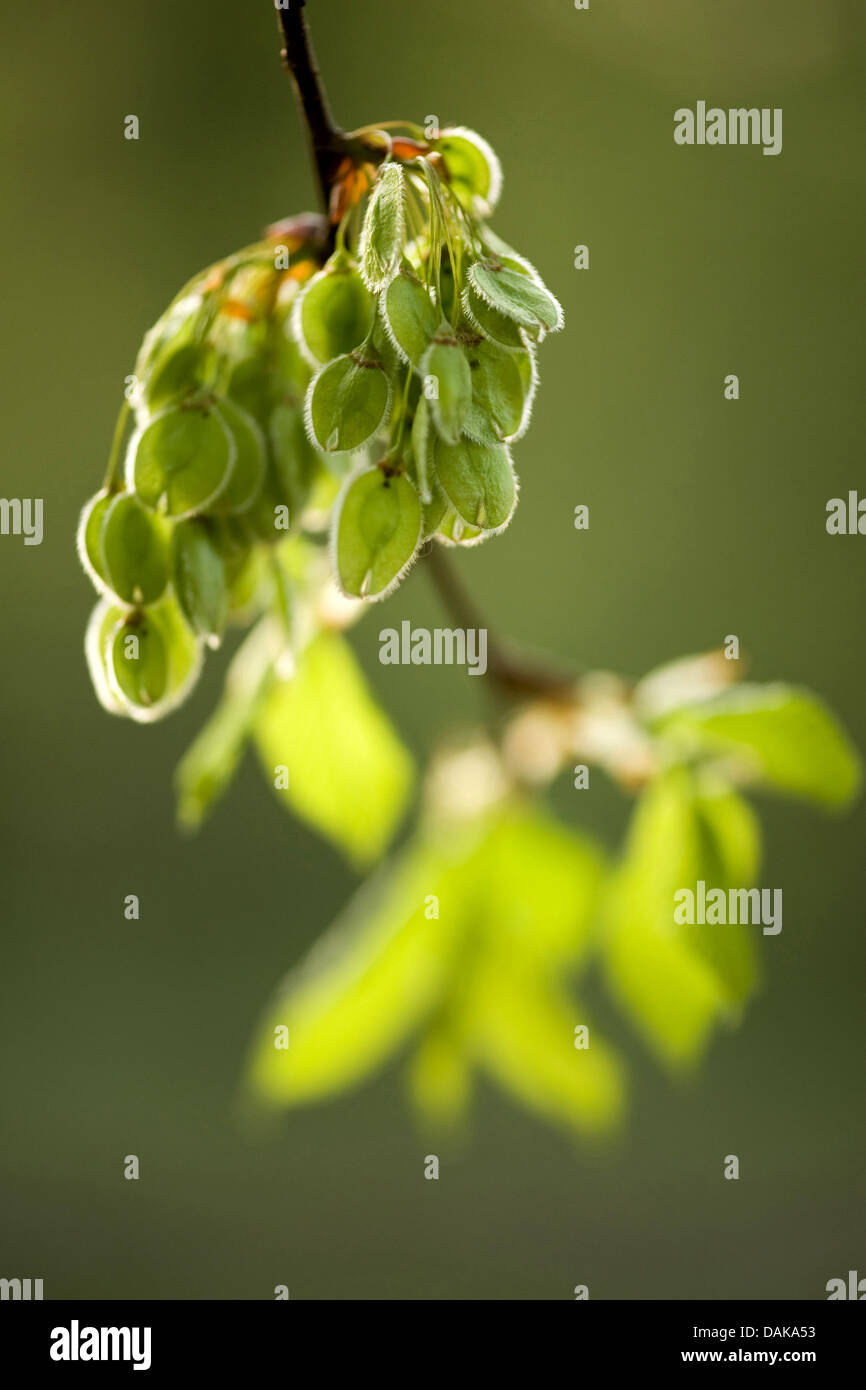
<point x="377" y="530"/>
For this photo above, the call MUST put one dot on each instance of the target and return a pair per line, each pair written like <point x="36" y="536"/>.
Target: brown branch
<point x="513" y="671"/>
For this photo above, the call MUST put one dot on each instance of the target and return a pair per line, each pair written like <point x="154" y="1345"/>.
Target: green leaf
<point x="410" y="315"/>
<point x="382" y="234"/>
<point x="347" y="402"/>
<point x="181" y="461"/>
<point x="348" y="773"/>
<point x="478" y="481"/>
<point x="134" y="551"/>
<point x="474" y="171"/>
<point x="335" y="312"/>
<point x="377" y="530"/>
<point x="523" y="1034"/>
<point x="199" y="578"/>
<point x="445" y="363"/>
<point x="503" y="385"/>
<point x="367" y="984"/>
<point x="209" y="764"/>
<point x="783" y="736"/>
<point x="518" y="296"/>
<point x="542" y="887"/>
<point x="676" y="981"/>
<point x="295" y="459"/>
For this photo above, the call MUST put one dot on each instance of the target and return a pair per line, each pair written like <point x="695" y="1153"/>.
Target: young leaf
<point x="523" y="1034"/>
<point x="382" y="234"/>
<point x="376" y="530"/>
<point x="181" y="461"/>
<point x="445" y="363"/>
<point x="335" y="312"/>
<point x="134" y="551"/>
<point x="377" y="975"/>
<point x="675" y="981"/>
<point x="517" y="296"/>
<point x="783" y="735"/>
<point x="478" y="481"/>
<point x="348" y="773"/>
<point x="347" y="402"/>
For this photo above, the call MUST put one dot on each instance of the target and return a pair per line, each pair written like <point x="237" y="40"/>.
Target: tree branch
<point x="328" y="143"/>
<point x="514" y="672"/>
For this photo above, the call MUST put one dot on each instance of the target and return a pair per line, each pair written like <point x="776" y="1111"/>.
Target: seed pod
<point x="199" y="578"/>
<point x="421" y="446"/>
<point x="376" y="532"/>
<point x="409" y="314"/>
<point x="474" y="172"/>
<point x="182" y="461"/>
<point x="295" y="460"/>
<point x="503" y="386"/>
<point x="102" y="623"/>
<point x="132" y="687"/>
<point x="382" y="233"/>
<point x="172" y="362"/>
<point x="445" y="363"/>
<point x="478" y="481"/>
<point x="334" y="313"/>
<point x="134" y="551"/>
<point x="137" y="662"/>
<point x="248" y="473"/>
<point x="87" y="540"/>
<point x="518" y="296"/>
<point x="347" y="402"/>
<point x="495" y="326"/>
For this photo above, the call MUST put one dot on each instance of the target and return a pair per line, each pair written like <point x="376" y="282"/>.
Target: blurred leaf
<point x="524" y="1036"/>
<point x="348" y="773"/>
<point x="787" y="736"/>
<point x="440" y="1077"/>
<point x="366" y="985"/>
<point x="677" y="981"/>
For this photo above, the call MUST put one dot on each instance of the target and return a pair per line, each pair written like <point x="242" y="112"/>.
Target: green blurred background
<point x="706" y="518"/>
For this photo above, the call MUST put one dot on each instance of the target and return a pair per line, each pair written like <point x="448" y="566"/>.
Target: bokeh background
<point x="706" y="518"/>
